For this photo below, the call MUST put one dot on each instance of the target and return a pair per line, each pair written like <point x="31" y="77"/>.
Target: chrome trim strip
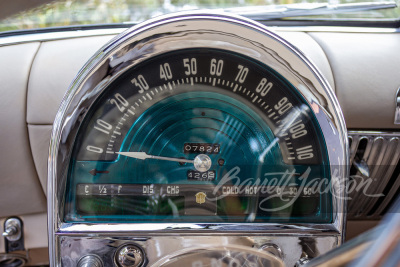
<point x="52" y="36"/>
<point x="397" y="110"/>
<point x="187" y="30"/>
<point x="337" y="29"/>
<point x="191" y="228"/>
<point x="374" y="133"/>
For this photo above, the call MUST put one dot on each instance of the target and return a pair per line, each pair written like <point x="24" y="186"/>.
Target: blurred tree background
<point x="82" y="12"/>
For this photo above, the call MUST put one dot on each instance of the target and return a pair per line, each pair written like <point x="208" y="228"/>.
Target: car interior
<point x="67" y="92"/>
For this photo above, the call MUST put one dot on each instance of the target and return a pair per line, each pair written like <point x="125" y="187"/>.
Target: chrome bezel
<point x="180" y="31"/>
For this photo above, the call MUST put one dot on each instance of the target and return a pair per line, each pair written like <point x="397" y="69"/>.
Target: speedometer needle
<point x="143" y="156"/>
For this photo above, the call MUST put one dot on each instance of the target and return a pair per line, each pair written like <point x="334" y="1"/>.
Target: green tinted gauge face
<point x="199" y="135"/>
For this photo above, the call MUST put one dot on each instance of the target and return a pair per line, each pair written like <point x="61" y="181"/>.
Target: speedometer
<point x="203" y="130"/>
<point x="198" y="122"/>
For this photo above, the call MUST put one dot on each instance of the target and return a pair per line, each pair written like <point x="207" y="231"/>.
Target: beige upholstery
<point x="20" y="189"/>
<point x="311" y="49"/>
<point x="39" y="136"/>
<point x="54" y="68"/>
<point x="366" y="68"/>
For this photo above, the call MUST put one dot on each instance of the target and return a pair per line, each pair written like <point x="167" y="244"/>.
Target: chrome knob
<point x="130" y="256"/>
<point x="12" y="229"/>
<point x="90" y="261"/>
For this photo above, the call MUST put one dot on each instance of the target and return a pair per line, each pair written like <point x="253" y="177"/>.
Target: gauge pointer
<point x="201" y="162"/>
<point x="143" y="156"/>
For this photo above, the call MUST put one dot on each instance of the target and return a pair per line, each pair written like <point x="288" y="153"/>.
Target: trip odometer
<point x="199" y="135"/>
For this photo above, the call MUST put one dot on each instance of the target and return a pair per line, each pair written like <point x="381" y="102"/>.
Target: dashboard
<point x="139" y="135"/>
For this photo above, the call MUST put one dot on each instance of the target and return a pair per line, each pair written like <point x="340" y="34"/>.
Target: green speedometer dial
<point x="199" y="135"/>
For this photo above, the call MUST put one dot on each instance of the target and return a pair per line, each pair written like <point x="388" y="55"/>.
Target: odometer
<point x="200" y="120"/>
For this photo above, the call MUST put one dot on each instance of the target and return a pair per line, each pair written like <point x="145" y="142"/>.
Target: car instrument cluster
<point x="196" y="139"/>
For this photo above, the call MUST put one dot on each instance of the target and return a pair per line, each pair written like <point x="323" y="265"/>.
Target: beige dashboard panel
<point x="39" y="137"/>
<point x="311" y="49"/>
<point x="54" y="68"/>
<point x="20" y="189"/>
<point x="366" y="67"/>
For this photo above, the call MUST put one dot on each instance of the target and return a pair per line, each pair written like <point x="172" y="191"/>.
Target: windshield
<point x="84" y="12"/>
